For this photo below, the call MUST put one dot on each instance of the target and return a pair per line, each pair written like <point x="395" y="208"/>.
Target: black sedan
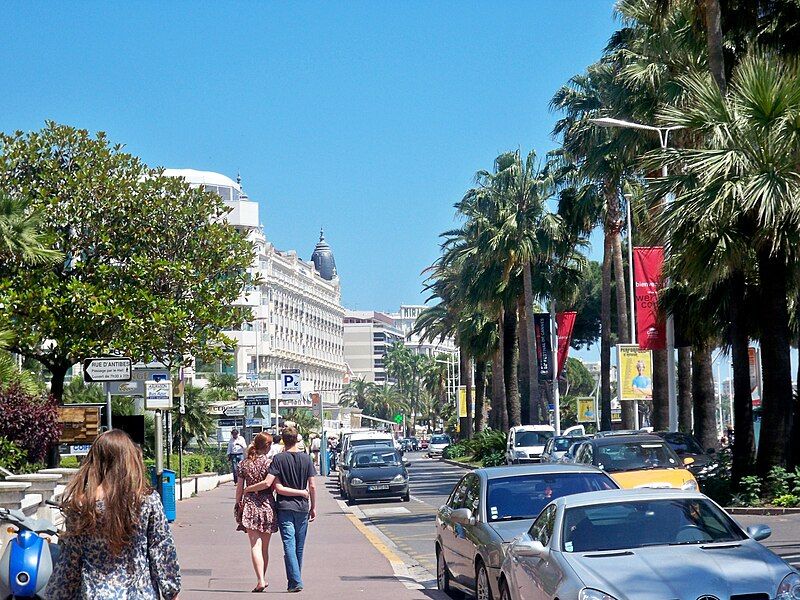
<point x="375" y="472"/>
<point x="685" y="445"/>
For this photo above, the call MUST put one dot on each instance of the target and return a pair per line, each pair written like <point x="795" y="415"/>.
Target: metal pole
<point x="159" y="450"/>
<point x="107" y="387"/>
<point x="554" y="342"/>
<point x="633" y="297"/>
<point x="672" y="391"/>
<point x="719" y="393"/>
<point x="181" y="412"/>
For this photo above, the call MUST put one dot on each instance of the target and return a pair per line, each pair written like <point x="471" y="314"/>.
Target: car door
<point x="535" y="572"/>
<point x="548" y="451"/>
<point x="467" y="536"/>
<point x="447" y="529"/>
<point x="575" y="430"/>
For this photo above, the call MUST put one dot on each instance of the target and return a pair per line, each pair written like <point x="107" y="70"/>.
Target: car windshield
<point x="625" y="525"/>
<point x="635" y="456"/>
<point x="532" y="438"/>
<point x="683" y="444"/>
<point x="524" y="496"/>
<point x="374" y="458"/>
<point x="440" y="439"/>
<point x="562" y="444"/>
<point x="371" y="442"/>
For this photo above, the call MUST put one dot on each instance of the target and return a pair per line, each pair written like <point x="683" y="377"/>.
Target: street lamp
<point x="663" y="138"/>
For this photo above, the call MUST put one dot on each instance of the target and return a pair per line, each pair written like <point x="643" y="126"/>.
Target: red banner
<point x="651" y="331"/>
<point x="565" y="321"/>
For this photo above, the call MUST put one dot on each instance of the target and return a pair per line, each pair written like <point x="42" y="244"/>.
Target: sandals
<point x="259" y="589"/>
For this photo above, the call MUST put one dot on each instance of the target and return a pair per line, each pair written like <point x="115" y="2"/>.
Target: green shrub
<point x="455" y="451"/>
<point x="12" y="457"/>
<point x="70" y="462"/>
<point x="487" y="443"/>
<point x="749" y="492"/>
<point x="496" y="459"/>
<point x="777" y="483"/>
<point x="786" y="500"/>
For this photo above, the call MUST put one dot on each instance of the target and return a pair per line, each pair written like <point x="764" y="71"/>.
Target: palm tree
<point x="21" y="240"/>
<point x="356" y="394"/>
<point x="385" y="402"/>
<point x="197" y="423"/>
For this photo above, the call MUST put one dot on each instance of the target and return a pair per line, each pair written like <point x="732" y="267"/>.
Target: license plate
<point x="375" y="488"/>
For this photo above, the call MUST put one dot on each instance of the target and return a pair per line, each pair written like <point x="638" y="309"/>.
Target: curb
<point x="457" y="464"/>
<point x="766" y="511"/>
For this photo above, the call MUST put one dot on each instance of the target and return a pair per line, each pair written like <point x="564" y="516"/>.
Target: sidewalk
<point x="339" y="561"/>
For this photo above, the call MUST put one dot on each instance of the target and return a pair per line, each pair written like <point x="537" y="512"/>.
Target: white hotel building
<point x="297" y="311"/>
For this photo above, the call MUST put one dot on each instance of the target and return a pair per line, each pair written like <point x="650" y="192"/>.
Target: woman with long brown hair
<point x="256" y="511"/>
<point x="117" y="537"/>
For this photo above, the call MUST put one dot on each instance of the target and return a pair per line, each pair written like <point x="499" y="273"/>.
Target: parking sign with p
<point x="290" y="383"/>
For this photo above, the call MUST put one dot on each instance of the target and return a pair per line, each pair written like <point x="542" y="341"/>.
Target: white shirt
<point x="274" y="449"/>
<point x="237" y="445"/>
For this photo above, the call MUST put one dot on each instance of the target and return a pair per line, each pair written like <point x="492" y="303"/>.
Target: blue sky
<point x="367" y="118"/>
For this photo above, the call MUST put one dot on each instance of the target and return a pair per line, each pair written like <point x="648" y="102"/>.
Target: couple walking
<point x="276" y="493"/>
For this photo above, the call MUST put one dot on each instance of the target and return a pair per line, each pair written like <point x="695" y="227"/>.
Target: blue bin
<point x="166" y="490"/>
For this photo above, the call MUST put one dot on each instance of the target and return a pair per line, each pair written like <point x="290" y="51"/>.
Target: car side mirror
<point x="759" y="532"/>
<point x="711" y="451"/>
<point x="688" y="461"/>
<point x="462" y="516"/>
<point x="531" y="548"/>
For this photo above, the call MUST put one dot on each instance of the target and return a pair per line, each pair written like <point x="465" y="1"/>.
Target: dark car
<point x="685" y="445"/>
<point x="414" y="443"/>
<point x="344" y="457"/>
<point x="488" y="508"/>
<point x="375" y="472"/>
<point x="569" y="455"/>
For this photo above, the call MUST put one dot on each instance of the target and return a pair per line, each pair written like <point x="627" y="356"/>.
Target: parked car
<point x="525" y="443"/>
<point x="635" y="461"/>
<point x="359" y="443"/>
<point x="488" y="508"/>
<point x="705" y="461"/>
<point x="375" y="472"/>
<point x="557" y="447"/>
<point x="616" y="432"/>
<point x="569" y="455"/>
<point x="642" y="545"/>
<point x="406" y="445"/>
<point x="437" y="444"/>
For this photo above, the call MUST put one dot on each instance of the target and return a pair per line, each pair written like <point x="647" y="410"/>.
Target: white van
<point x="525" y="443"/>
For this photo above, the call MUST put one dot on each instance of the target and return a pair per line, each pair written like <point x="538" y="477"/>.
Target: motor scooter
<point x="28" y="558"/>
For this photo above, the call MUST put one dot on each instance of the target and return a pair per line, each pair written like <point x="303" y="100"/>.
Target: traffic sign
<point x="290" y="383"/>
<point x="234" y="411"/>
<point x="398" y="418"/>
<point x="110" y="368"/>
<point x="158" y="395"/>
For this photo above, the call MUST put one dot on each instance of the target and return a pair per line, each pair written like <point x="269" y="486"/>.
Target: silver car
<point x="643" y="545"/>
<point x="488" y="508"/>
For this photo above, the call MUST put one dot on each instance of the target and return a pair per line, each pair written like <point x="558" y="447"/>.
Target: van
<point x="525" y="443"/>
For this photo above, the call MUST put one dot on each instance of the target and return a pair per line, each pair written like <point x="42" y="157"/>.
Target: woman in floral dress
<point x="256" y="511"/>
<point x="117" y="543"/>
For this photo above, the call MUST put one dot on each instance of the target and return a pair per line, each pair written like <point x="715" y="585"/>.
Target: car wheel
<point x="407" y="497"/>
<point x="483" y="589"/>
<point x="504" y="593"/>
<point x="442" y="574"/>
<point x="343" y="493"/>
<point x="351" y="501"/>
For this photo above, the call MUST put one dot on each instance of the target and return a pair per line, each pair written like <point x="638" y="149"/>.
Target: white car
<point x="525" y="443"/>
<point x="437" y="445"/>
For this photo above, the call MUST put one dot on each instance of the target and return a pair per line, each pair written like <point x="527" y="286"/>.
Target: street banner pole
<point x="554" y="344"/>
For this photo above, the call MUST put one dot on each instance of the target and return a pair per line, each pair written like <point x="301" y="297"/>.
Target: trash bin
<point x="166" y="490"/>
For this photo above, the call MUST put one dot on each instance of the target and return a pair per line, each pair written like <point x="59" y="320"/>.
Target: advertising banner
<point x="587" y="412"/>
<point x="462" y="402"/>
<point x="565" y="321"/>
<point x="544" y="347"/>
<point x="754" y="356"/>
<point x="651" y="331"/>
<point x="635" y="372"/>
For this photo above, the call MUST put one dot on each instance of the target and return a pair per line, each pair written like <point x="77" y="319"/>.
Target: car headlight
<point x="520" y="454"/>
<point x="690" y="485"/>
<point x="399" y="478"/>
<point x="590" y="594"/>
<point x="356" y="481"/>
<point x="789" y="589"/>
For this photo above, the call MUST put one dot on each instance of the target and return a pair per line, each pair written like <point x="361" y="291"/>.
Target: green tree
<point x="150" y="268"/>
<point x="198" y="424"/>
<point x="356" y="394"/>
<point x="78" y="392"/>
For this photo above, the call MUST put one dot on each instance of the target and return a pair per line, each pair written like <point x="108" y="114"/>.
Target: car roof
<point x="372" y="448"/>
<point x="614" y="440"/>
<point x="576" y="438"/>
<point x="534" y="469"/>
<point x="365" y="435"/>
<point x="533" y="428"/>
<point x="611" y="496"/>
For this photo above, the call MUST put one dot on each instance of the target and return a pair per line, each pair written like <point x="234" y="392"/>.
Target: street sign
<point x="316" y="405"/>
<point x="290" y="383"/>
<point x="234" y="411"/>
<point x="398" y="418"/>
<point x="107" y="369"/>
<point x="158" y="395"/>
<point x="135" y="387"/>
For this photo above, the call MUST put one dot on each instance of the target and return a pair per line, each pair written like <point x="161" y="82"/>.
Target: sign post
<point x="105" y="370"/>
<point x="158" y="397"/>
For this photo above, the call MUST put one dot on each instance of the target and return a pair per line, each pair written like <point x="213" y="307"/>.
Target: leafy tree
<point x="76" y="392"/>
<point x="198" y="424"/>
<point x="150" y="268"/>
<point x="356" y="394"/>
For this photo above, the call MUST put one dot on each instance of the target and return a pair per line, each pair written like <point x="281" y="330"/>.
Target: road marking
<point x="386" y="511"/>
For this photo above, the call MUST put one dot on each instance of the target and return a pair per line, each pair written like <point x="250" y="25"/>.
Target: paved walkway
<point x="339" y="561"/>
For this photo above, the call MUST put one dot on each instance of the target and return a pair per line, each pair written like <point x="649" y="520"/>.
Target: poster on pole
<point x="651" y="331"/>
<point x="462" y="402"/>
<point x="565" y="322"/>
<point x="754" y="358"/>
<point x="158" y="395"/>
<point x="544" y="346"/>
<point x="635" y="375"/>
<point x="587" y="411"/>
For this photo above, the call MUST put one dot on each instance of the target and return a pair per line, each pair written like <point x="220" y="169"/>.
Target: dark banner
<point x="544" y="346"/>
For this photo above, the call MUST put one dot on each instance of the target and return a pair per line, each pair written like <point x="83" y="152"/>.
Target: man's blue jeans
<point x="293" y="526"/>
<point x="235" y="460"/>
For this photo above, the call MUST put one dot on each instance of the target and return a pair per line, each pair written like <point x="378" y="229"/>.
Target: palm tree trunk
<point x="480" y="394"/>
<point x="532" y="359"/>
<point x="510" y="366"/>
<point x="525" y="383"/>
<point x="685" y="383"/>
<point x="605" y="333"/>
<point x="744" y="447"/>
<point x="623" y="329"/>
<point x="705" y="413"/>
<point x="776" y="421"/>
<point x="499" y="417"/>
<point x="465" y="424"/>
<point x="712" y="17"/>
<point x="660" y="417"/>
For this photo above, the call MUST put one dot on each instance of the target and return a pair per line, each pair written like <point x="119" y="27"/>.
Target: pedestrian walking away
<point x="236" y="448"/>
<point x="117" y="539"/>
<point x="294" y="469"/>
<point x="316" y="444"/>
<point x="255" y="512"/>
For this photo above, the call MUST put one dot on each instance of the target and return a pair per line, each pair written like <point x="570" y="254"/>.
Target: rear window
<point x="561" y="444"/>
<point x="371" y="442"/>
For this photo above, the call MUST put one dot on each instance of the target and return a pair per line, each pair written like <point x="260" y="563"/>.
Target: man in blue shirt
<point x="641" y="383"/>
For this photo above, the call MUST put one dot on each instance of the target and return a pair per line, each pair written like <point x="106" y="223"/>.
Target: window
<point x="636" y="455"/>
<point x="456" y="499"/>
<point x="532" y="438"/>
<point x="472" y="494"/>
<point x="543" y="527"/>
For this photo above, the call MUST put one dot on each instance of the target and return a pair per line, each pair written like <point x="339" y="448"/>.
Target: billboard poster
<point x="635" y="378"/>
<point x="650" y="328"/>
<point x="754" y="358"/>
<point x="544" y="347"/>
<point x="587" y="412"/>
<point x="565" y="321"/>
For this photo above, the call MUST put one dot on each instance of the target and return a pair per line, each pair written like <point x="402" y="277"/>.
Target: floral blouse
<point x="147" y="570"/>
